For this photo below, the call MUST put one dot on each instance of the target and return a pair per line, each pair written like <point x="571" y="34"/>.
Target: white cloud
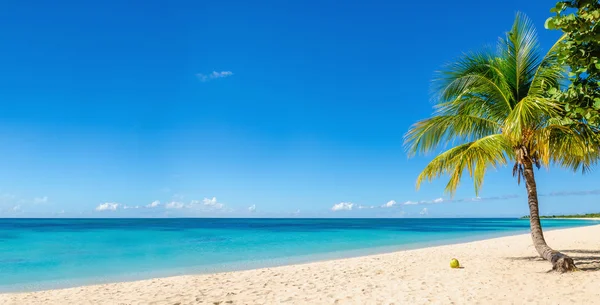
<point x="477" y="199"/>
<point x="360" y="207"/>
<point x="424" y="211"/>
<point x="153" y="204"/>
<point x="174" y="205"/>
<point x="108" y="206"/>
<point x="573" y="193"/>
<point x="16" y="208"/>
<point x="40" y="200"/>
<point x="342" y="206"/>
<point x="212" y="203"/>
<point x="126" y="207"/>
<point x="61" y="212"/>
<point x="213" y="75"/>
<point x="389" y="204"/>
<point x="438" y="200"/>
<point x="252" y="208"/>
<point x="296" y="212"/>
<point x="205" y="204"/>
<point x="208" y="201"/>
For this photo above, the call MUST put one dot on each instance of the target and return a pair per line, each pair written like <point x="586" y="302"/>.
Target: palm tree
<point x="498" y="107"/>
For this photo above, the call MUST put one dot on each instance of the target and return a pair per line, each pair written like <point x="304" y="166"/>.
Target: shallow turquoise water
<point x="38" y="254"/>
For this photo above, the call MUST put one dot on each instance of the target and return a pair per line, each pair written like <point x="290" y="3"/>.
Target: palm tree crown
<point x="498" y="107"/>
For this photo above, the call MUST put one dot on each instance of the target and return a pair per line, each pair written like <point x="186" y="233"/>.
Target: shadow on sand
<point x="586" y="260"/>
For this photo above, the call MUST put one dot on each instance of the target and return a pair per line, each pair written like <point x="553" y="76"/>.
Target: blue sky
<point x="242" y="109"/>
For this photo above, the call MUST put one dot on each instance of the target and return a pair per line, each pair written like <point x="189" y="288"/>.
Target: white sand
<point x="496" y="271"/>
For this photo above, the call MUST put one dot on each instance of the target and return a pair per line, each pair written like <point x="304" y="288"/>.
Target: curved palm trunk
<point x="560" y="262"/>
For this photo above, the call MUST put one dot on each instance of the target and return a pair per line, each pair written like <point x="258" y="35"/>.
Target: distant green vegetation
<point x="590" y="215"/>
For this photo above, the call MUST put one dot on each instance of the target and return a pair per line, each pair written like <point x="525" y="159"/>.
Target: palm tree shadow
<point x="596" y="252"/>
<point x="526" y="258"/>
<point x="586" y="260"/>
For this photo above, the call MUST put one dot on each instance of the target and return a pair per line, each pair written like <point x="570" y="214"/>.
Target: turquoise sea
<point x="37" y="254"/>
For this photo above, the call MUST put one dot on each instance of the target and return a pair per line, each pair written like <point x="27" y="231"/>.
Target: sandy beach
<point x="502" y="270"/>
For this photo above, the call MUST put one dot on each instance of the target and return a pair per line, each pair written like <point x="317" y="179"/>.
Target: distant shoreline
<point x="575" y="218"/>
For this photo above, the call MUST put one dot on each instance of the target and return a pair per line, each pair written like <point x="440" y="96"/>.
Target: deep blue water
<point x="39" y="254"/>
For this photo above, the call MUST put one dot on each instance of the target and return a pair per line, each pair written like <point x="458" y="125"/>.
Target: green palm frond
<point x="476" y="157"/>
<point x="499" y="104"/>
<point x="528" y="116"/>
<point x="426" y="135"/>
<point x="548" y="74"/>
<point x="474" y="74"/>
<point x="520" y="56"/>
<point x="573" y="145"/>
